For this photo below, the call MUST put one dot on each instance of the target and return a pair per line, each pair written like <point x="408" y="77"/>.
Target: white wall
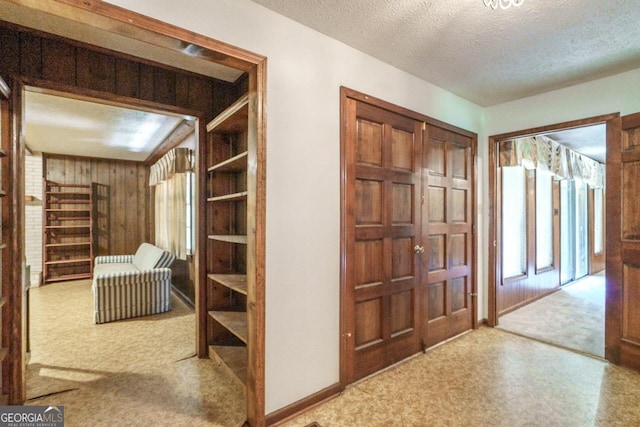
<point x="305" y="71"/>
<point x="619" y="93"/>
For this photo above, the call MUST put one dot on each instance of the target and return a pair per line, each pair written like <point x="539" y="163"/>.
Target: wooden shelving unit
<point x="226" y="230"/>
<point x="68" y="231"/>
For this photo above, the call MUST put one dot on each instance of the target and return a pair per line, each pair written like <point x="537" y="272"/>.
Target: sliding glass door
<point x="574" y="231"/>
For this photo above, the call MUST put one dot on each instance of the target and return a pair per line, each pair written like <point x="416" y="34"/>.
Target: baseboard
<point x="177" y="292"/>
<point x="294" y="409"/>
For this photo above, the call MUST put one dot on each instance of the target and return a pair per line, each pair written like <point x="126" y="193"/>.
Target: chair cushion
<point x="113" y="267"/>
<point x="148" y="256"/>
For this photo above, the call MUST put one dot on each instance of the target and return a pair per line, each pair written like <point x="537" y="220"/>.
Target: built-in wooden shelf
<point x="234" y="164"/>
<point x="3" y="301"/>
<point x="2" y="193"/>
<point x="234" y="321"/>
<point x="233" y="119"/>
<point x="229" y="238"/>
<point x="69" y="202"/>
<point x="237" y="282"/>
<point x="68" y="261"/>
<point x="3" y="246"/>
<point x="229" y="197"/>
<point x="234" y="359"/>
<point x="66" y="245"/>
<point x="66" y="210"/>
<point x="3" y="153"/>
<point x="65" y="227"/>
<point x="70" y="218"/>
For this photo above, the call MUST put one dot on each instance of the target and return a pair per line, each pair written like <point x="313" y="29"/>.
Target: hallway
<point x="572" y="317"/>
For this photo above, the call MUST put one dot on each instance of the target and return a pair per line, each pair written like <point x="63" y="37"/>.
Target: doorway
<point x="547" y="238"/>
<point x="150" y="85"/>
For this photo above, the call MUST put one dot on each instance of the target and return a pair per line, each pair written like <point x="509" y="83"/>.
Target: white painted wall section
<point x="305" y="72"/>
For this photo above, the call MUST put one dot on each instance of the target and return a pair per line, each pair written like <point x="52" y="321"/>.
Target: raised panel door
<point x="383" y="179"/>
<point x="446" y="286"/>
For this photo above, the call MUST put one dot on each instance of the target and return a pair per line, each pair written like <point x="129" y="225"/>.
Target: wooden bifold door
<point x="407" y="242"/>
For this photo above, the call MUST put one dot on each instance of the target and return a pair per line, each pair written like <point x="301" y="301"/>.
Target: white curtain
<point x="169" y="175"/>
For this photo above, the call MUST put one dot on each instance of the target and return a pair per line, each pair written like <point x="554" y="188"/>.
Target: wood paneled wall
<point x="33" y="55"/>
<point x="124" y="211"/>
<point x="534" y="284"/>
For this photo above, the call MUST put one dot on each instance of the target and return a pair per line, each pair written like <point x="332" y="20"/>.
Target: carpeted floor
<point x="572" y="317"/>
<point x="138" y="371"/>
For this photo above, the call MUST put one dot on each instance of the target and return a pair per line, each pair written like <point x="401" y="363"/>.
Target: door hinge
<point x="473" y="229"/>
<point x="494" y="244"/>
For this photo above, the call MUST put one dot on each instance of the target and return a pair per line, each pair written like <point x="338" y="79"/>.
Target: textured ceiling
<point x="60" y="125"/>
<point x="483" y="55"/>
<point x="589" y="141"/>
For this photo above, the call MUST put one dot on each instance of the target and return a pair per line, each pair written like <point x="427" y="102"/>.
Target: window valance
<point x="177" y="160"/>
<point x="540" y="152"/>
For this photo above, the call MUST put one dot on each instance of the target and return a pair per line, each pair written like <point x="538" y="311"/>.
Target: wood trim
<point x="148" y="29"/>
<point x="474" y="233"/>
<point x="359" y="96"/>
<point x="555" y="127"/>
<point x="17" y="340"/>
<point x="613" y="244"/>
<point x="493" y="249"/>
<point x="118" y="20"/>
<point x="256" y="294"/>
<point x="288" y="412"/>
<point x="492" y="238"/>
<point x="343" y="239"/>
<point x="184" y="129"/>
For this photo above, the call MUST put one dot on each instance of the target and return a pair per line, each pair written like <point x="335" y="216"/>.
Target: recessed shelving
<point x="226" y="218"/>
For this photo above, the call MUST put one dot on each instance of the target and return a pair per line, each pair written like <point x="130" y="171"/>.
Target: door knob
<point x="418" y="249"/>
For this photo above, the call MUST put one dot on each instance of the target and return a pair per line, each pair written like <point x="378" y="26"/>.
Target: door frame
<point x="347" y="93"/>
<point x="116" y="20"/>
<point x="493" y="243"/>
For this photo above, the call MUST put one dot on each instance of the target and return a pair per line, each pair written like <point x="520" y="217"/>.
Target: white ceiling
<point x="53" y="124"/>
<point x="589" y="141"/>
<point x="483" y="55"/>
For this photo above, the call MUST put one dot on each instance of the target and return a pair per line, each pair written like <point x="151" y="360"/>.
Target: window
<point x="544" y="219"/>
<point x="190" y="213"/>
<point x="598" y="235"/>
<point x="514" y="222"/>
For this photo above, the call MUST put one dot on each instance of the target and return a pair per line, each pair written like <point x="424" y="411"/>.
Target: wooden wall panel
<point x="30" y="56"/>
<point x="122" y="220"/>
<point x="9" y="52"/>
<point x="96" y="70"/>
<point x="127" y="78"/>
<point x="59" y="61"/>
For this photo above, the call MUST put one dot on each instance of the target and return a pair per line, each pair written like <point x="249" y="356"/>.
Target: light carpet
<point x="139" y="371"/>
<point x="572" y="317"/>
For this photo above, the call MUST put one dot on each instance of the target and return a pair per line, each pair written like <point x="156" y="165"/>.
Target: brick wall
<point x="33" y="216"/>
